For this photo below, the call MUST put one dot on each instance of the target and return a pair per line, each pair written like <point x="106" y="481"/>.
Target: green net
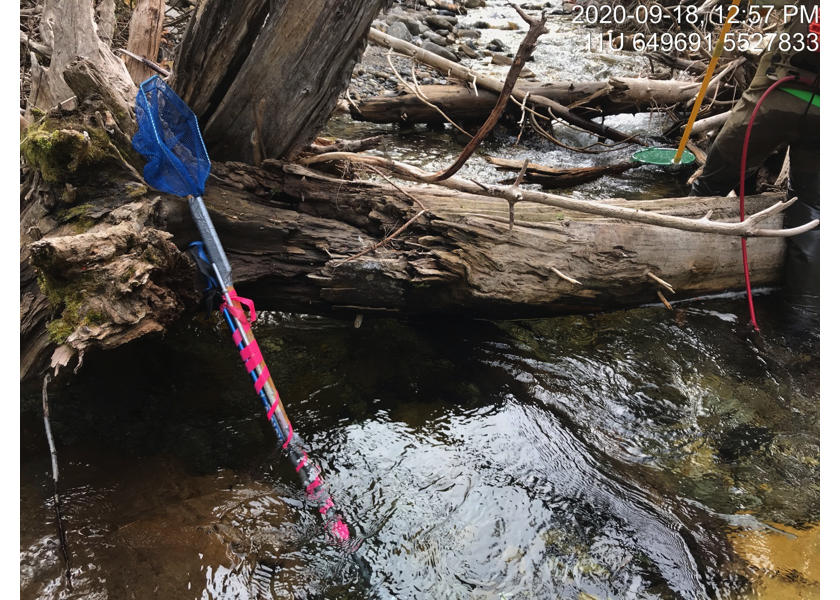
<point x="662" y="156"/>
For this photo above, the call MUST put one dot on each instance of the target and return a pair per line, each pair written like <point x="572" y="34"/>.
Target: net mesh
<point x="170" y="139"/>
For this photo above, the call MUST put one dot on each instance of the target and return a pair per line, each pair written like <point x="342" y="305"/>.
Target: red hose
<point x="741" y="194"/>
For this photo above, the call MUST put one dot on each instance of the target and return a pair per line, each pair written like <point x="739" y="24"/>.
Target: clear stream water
<point x="646" y="454"/>
<point x="637" y="454"/>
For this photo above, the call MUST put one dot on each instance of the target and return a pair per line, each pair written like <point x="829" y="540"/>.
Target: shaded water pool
<point x="637" y="454"/>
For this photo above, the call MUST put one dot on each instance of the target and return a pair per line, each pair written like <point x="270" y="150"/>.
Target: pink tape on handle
<point x="251" y="355"/>
<point x="314" y="484"/>
<point x="291" y="431"/>
<point x="260" y="382"/>
<point x="302" y="462"/>
<point x="273" y="408"/>
<point x="327" y="505"/>
<point x="339" y="529"/>
<point x="248" y="303"/>
<point x="239" y="316"/>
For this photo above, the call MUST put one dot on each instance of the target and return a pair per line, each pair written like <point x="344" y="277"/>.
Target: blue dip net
<point x="170" y="140"/>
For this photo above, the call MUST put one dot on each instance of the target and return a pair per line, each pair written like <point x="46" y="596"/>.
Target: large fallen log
<point x="289" y="231"/>
<point x="465" y="104"/>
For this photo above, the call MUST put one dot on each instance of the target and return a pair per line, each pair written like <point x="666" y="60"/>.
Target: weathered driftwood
<point x="68" y="28"/>
<point x="554" y="177"/>
<point x="620" y="94"/>
<point x="650" y="91"/>
<point x="454" y="69"/>
<point x="144" y="32"/>
<point x="284" y="61"/>
<point x="469" y="106"/>
<point x="709" y="126"/>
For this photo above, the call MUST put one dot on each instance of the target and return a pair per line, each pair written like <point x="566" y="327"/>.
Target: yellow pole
<point x="705" y="85"/>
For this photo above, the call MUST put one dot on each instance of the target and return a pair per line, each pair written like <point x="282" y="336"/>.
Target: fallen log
<point x="473" y="106"/>
<point x="467" y="105"/>
<point x="454" y="69"/>
<point x="556" y="178"/>
<point x="649" y="91"/>
<point x="288" y="231"/>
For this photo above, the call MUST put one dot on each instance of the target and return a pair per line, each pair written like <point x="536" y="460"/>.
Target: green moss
<point x="61" y="328"/>
<point x="153" y="257"/>
<point x="59" y="331"/>
<point x="57" y="148"/>
<point x="74" y="213"/>
<point x="135" y="190"/>
<point x="79" y="214"/>
<point x="94" y="317"/>
<point x="53" y="290"/>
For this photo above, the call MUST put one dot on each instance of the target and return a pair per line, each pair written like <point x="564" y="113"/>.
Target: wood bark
<point x="144" y="31"/>
<point x="285" y="62"/>
<point x="68" y="27"/>
<point x="216" y="43"/>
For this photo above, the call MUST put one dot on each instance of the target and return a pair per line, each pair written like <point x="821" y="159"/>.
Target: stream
<point x="646" y="453"/>
<point x="637" y="454"/>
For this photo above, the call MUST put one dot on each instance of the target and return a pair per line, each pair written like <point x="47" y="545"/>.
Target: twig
<point x="521" y="172"/>
<point x="664" y="301"/>
<point x="566" y="277"/>
<point x="522" y="118"/>
<point x="423" y="98"/>
<point x="551" y="138"/>
<point x="399" y="188"/>
<point x="661" y="282"/>
<point x="62" y="536"/>
<point x="516" y="183"/>
<point x="151" y="64"/>
<point x="178" y="20"/>
<point x="386" y="240"/>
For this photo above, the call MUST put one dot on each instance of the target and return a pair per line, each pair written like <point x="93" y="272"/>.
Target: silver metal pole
<point x="202" y="221"/>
